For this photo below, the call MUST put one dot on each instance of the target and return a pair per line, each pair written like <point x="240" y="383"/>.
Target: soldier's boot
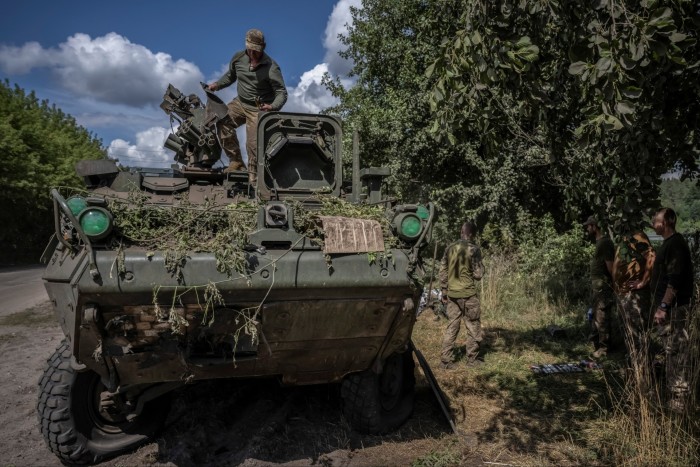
<point x="234" y="166"/>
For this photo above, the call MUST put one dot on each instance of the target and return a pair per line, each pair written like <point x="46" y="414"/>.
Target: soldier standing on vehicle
<point x="601" y="287"/>
<point x="460" y="270"/>
<point x="260" y="88"/>
<point x="672" y="286"/>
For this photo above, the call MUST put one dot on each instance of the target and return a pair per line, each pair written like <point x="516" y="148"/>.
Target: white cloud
<point x="108" y="77"/>
<point x="21" y="60"/>
<point x="147" y="152"/>
<point x="310" y="95"/>
<point x="337" y="24"/>
<point x="109" y="68"/>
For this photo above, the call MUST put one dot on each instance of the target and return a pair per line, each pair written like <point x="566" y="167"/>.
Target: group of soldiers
<point x="651" y="288"/>
<point x="653" y="292"/>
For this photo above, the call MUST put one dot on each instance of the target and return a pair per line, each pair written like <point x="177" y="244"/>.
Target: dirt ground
<point x="219" y="422"/>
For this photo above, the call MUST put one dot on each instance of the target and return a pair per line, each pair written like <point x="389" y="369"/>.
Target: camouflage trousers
<point x="460" y="310"/>
<point x="635" y="316"/>
<point x="240" y="113"/>
<point x="601" y="326"/>
<point x="677" y="349"/>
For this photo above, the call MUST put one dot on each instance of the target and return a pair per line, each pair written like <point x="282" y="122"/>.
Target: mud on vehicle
<point x="304" y="277"/>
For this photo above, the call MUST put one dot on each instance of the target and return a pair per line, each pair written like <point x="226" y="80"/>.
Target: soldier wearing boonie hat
<point x="260" y="88"/>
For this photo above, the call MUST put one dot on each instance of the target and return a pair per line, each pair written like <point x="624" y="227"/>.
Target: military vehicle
<point x="305" y="308"/>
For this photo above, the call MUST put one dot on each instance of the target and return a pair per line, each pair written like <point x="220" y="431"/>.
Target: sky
<point x="108" y="63"/>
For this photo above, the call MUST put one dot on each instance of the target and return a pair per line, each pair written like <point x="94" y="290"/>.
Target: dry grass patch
<point x="40" y="315"/>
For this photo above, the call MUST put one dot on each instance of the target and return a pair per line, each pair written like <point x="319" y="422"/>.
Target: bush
<point x="560" y="261"/>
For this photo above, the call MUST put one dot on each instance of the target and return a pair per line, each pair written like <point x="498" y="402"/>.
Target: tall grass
<point x="635" y="427"/>
<point x="642" y="429"/>
<point x="617" y="416"/>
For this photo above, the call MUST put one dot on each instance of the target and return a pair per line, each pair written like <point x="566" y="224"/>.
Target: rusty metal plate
<point x="346" y="235"/>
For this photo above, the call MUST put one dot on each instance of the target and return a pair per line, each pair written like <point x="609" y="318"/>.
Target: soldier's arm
<point x="277" y="83"/>
<point x="442" y="275"/>
<point x="230" y="76"/>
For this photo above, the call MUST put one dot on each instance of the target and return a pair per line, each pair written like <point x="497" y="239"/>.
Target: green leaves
<point x="660" y="18"/>
<point x="577" y="68"/>
<point x="39" y="145"/>
<point x="512" y="108"/>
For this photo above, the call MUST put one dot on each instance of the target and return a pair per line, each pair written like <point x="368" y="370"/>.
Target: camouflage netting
<point x="184" y="228"/>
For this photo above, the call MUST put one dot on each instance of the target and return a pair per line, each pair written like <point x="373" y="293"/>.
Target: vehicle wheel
<point x="375" y="404"/>
<point x="81" y="422"/>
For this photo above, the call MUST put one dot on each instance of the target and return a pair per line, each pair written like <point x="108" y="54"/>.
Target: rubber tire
<point x="377" y="404"/>
<point x="69" y="424"/>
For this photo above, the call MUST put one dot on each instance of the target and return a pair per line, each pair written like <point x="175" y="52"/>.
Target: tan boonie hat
<point x="591" y="221"/>
<point x="255" y="40"/>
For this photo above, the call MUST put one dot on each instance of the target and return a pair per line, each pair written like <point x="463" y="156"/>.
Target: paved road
<point x="21" y="288"/>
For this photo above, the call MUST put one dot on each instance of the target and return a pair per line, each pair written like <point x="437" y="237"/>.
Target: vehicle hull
<point x="293" y="315"/>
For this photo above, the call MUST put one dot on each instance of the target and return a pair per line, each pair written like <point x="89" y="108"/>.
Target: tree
<point x="605" y="93"/>
<point x="508" y="110"/>
<point x="39" y="146"/>
<point x="393" y="44"/>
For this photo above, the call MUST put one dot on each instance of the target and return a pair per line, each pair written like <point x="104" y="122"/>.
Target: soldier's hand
<point x="213" y="86"/>
<point x="265" y="107"/>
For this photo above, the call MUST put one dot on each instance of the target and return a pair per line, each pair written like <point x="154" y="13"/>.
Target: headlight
<point x="76" y="204"/>
<point x="96" y="222"/>
<point x="422" y="212"/>
<point x="408" y="225"/>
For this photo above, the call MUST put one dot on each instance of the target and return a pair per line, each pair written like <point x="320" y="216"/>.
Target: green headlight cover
<point x="76" y="204"/>
<point x="410" y="226"/>
<point x="422" y="212"/>
<point x="96" y="222"/>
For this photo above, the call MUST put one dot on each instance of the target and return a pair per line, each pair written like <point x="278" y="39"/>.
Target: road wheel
<point x="82" y="422"/>
<point x="375" y="404"/>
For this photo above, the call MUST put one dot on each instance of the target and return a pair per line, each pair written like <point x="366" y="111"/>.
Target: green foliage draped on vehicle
<point x="39" y="145"/>
<point x="517" y="108"/>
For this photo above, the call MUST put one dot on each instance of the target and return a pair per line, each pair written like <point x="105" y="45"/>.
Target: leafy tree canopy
<point x="606" y="91"/>
<point x="515" y="108"/>
<point x="40" y="146"/>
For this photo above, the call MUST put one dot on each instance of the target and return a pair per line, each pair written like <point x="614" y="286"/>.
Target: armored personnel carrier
<point x="160" y="278"/>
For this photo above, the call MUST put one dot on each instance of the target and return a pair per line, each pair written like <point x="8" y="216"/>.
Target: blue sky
<point x="108" y="63"/>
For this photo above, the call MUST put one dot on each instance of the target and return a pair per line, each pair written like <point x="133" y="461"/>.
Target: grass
<point x="520" y="418"/>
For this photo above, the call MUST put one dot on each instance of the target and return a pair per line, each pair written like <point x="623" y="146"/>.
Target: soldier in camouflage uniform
<point x="460" y="270"/>
<point x="634" y="260"/>
<point x="672" y="286"/>
<point x="260" y="88"/>
<point x="601" y="287"/>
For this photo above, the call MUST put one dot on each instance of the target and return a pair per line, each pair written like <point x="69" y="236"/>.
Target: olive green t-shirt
<point x="461" y="267"/>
